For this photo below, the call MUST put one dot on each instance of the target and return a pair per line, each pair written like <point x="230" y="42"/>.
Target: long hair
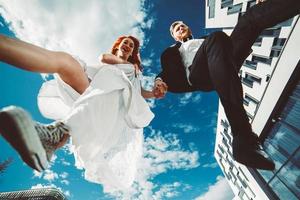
<point x="135" y="57"/>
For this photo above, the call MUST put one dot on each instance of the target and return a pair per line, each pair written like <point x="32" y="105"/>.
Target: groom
<point x="213" y="64"/>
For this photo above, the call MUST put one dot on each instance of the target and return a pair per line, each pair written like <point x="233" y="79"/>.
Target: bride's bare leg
<point x="33" y="58"/>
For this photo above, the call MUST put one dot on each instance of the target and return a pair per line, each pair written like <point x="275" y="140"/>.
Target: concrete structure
<point x="271" y="83"/>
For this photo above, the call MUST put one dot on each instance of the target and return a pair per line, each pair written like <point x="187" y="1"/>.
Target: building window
<point x="211" y="8"/>
<point x="248" y="99"/>
<point x="283" y="146"/>
<point x="285" y="23"/>
<point x="271" y="32"/>
<point x="249" y="79"/>
<point x="277" y="47"/>
<point x="226" y="3"/>
<point x="267" y="61"/>
<point x="225" y="123"/>
<point x="258" y="41"/>
<point x="250" y="64"/>
<point x="234" y="9"/>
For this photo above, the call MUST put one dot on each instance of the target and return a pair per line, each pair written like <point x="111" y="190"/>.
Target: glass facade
<point x="283" y="146"/>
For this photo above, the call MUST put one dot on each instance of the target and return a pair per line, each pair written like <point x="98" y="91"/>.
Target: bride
<point x="102" y="108"/>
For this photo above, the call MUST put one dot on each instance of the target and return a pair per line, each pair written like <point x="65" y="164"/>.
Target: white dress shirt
<point x="188" y="51"/>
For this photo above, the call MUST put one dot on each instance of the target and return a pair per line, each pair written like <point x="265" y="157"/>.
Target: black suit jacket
<point x="173" y="71"/>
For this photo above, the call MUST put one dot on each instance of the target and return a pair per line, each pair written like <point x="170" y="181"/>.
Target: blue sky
<point x="179" y="142"/>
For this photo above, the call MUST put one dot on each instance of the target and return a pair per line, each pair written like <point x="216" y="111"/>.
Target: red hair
<point x="135" y="57"/>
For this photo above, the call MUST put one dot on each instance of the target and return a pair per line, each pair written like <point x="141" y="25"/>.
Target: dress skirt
<point x="106" y="122"/>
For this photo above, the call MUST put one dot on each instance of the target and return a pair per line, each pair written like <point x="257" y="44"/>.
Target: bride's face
<point x="125" y="48"/>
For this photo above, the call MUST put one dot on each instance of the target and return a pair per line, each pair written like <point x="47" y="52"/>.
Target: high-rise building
<point x="34" y="194"/>
<point x="271" y="82"/>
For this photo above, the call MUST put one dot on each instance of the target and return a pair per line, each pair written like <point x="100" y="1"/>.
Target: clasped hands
<point x="159" y="89"/>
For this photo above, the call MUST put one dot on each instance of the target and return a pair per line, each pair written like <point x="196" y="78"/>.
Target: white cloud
<point x="67" y="193"/>
<point x="69" y="150"/>
<point x="167" y="152"/>
<point x="51" y="176"/>
<point x="185" y="99"/>
<point x="219" y="191"/>
<point x="47" y="175"/>
<point x="147" y="62"/>
<point x="64" y="175"/>
<point x="85" y="29"/>
<point x="187" y="128"/>
<point x="190" y="98"/>
<point x="37" y="174"/>
<point x="203" y="154"/>
<point x="64" y="162"/>
<point x="210" y="165"/>
<point x="161" y="154"/>
<point x="66" y="182"/>
<point x="39" y="186"/>
<point x="167" y="190"/>
<point x="197" y="98"/>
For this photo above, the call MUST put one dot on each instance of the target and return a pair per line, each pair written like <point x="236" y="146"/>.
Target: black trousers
<point x="218" y="60"/>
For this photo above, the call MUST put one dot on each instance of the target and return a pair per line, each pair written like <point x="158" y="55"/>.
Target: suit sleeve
<point x="163" y="61"/>
<point x="172" y="70"/>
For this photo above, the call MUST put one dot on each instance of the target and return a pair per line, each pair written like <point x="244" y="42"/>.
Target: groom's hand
<point x="160" y="88"/>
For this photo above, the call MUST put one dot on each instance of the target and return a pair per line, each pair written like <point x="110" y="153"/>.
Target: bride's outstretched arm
<point x="147" y="94"/>
<point x="111" y="59"/>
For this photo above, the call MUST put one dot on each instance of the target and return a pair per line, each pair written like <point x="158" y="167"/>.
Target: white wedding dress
<point x="106" y="122"/>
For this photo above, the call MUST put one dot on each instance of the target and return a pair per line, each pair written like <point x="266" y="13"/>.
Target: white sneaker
<point x="52" y="136"/>
<point x="18" y="129"/>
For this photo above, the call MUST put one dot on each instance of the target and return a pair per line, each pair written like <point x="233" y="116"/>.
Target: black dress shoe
<point x="250" y="153"/>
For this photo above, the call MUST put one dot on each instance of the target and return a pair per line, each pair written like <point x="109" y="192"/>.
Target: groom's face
<point x="181" y="32"/>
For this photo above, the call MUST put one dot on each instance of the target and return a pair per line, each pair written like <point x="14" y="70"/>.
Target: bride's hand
<point x="160" y="89"/>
